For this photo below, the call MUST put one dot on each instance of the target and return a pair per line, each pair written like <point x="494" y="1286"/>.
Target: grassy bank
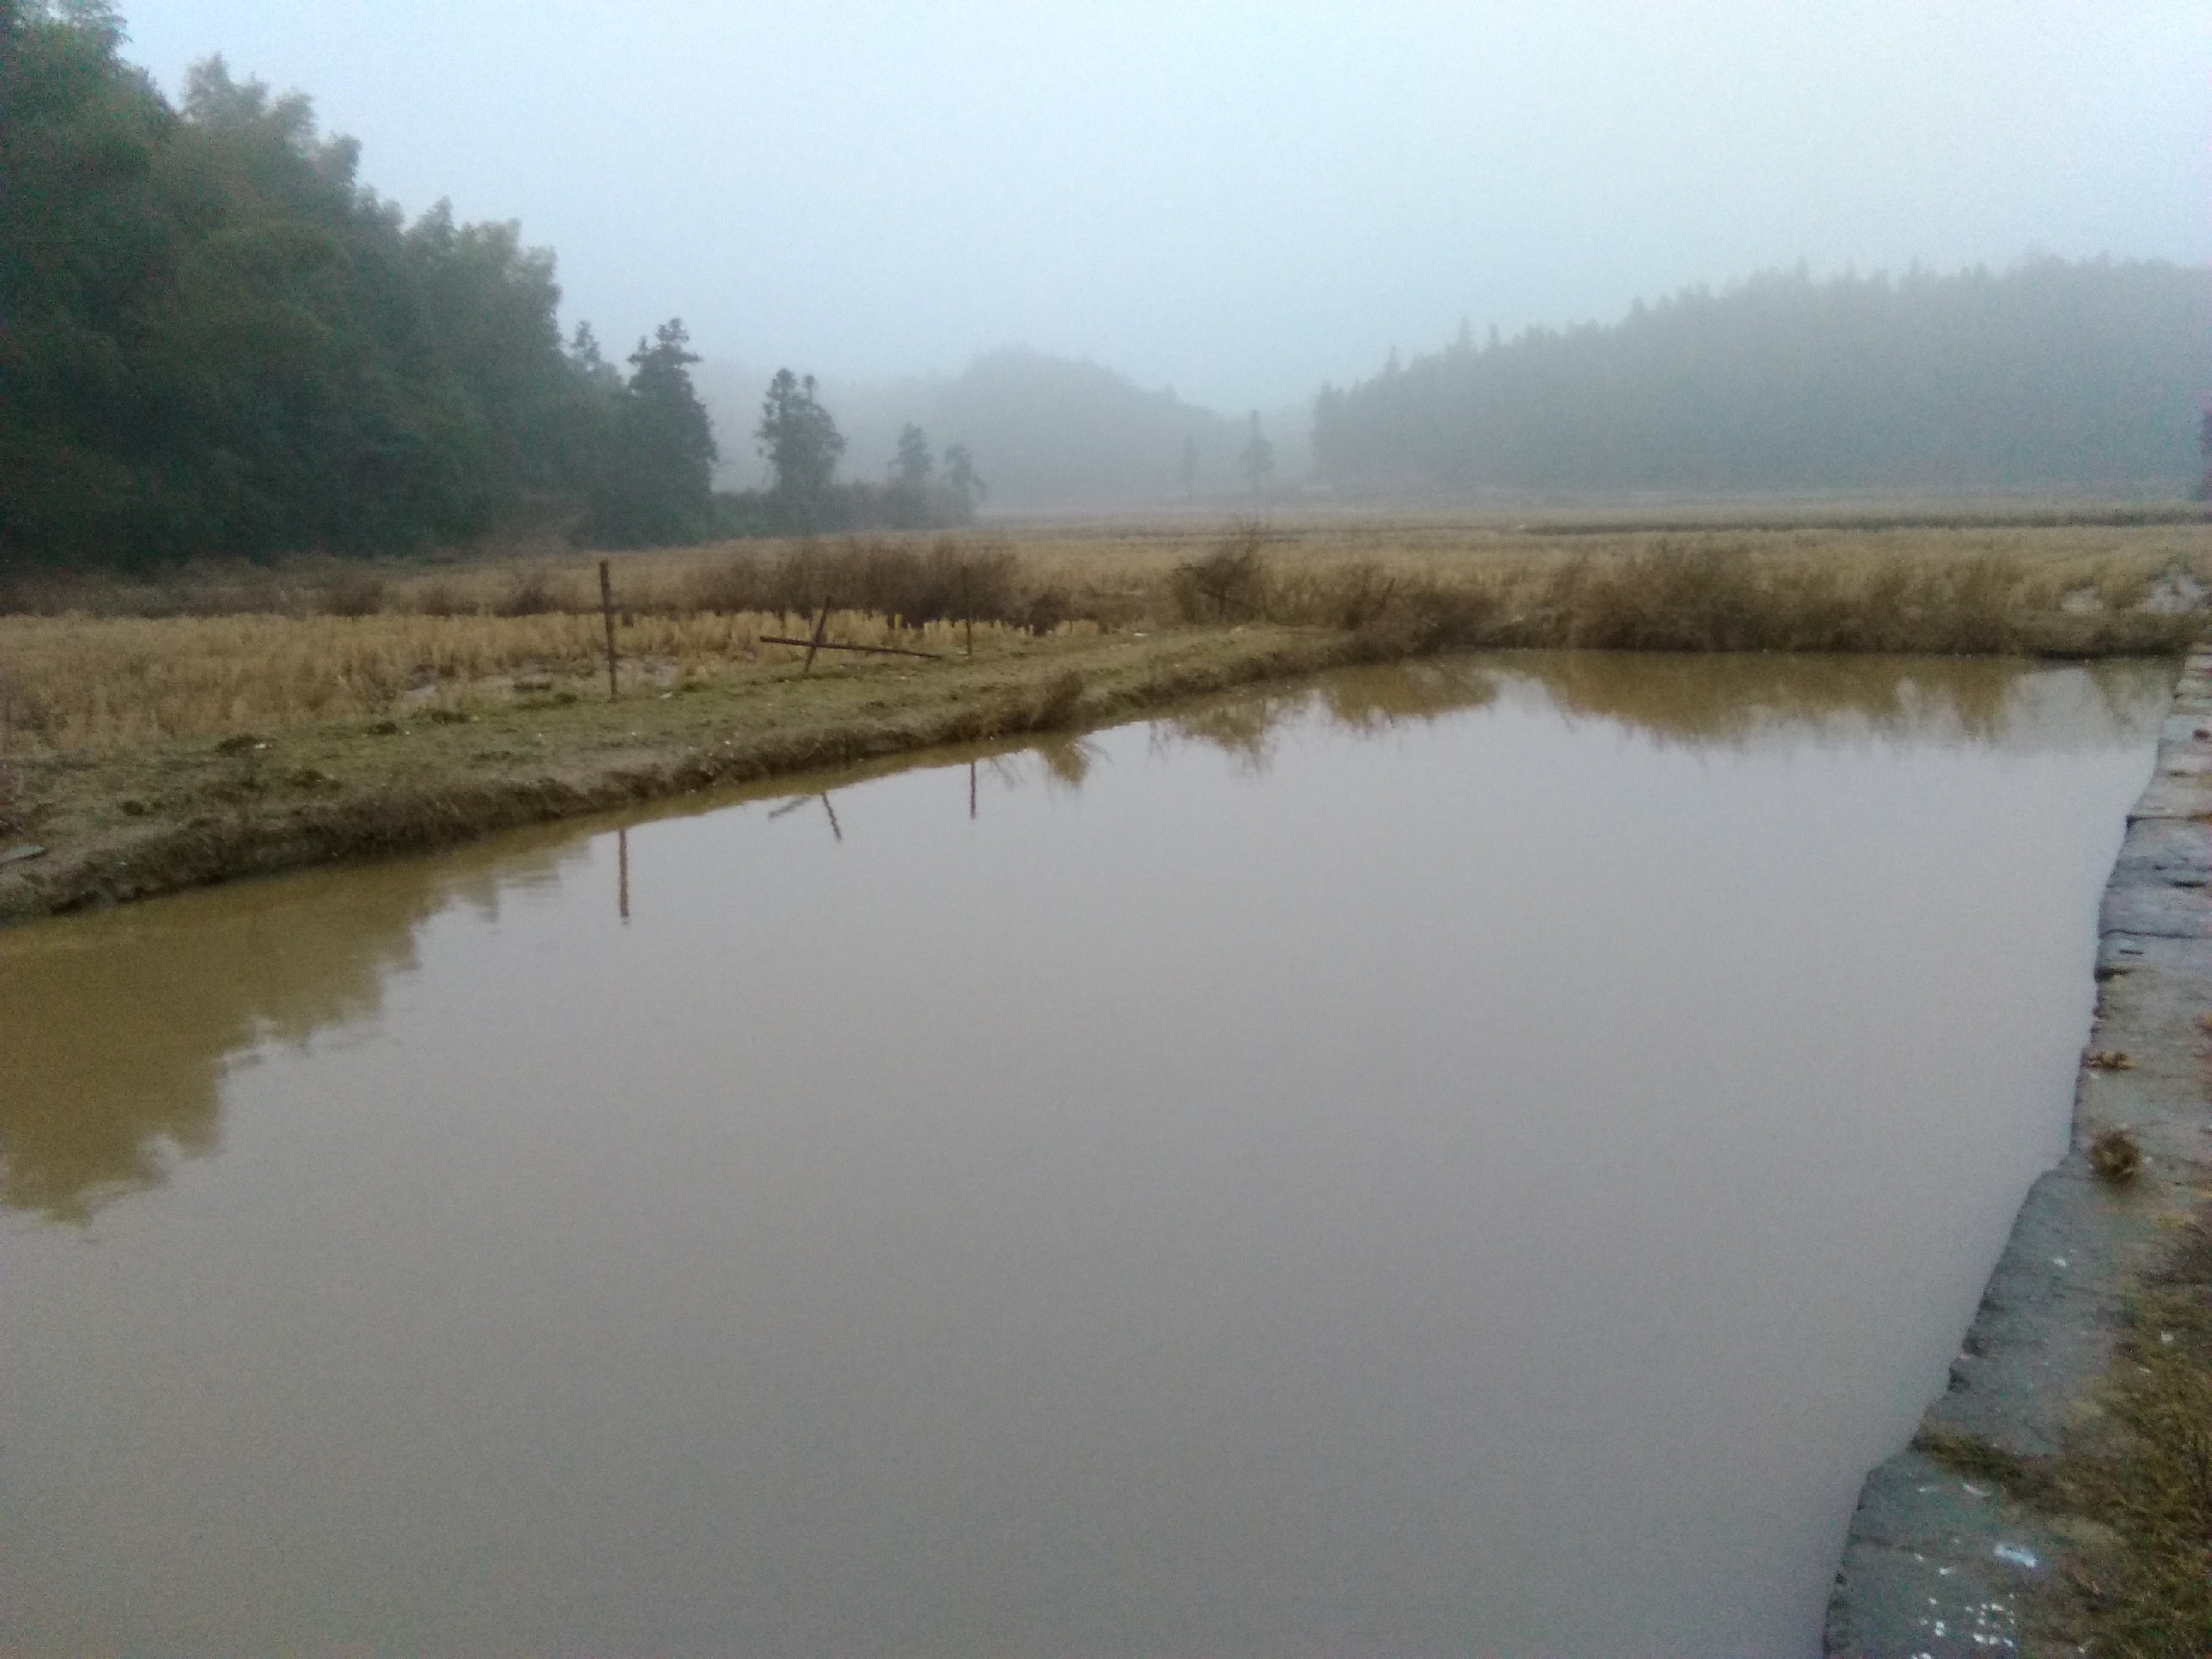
<point x="128" y="822"/>
<point x="234" y="721"/>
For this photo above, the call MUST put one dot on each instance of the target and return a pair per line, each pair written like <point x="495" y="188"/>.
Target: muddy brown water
<point x="1471" y="1159"/>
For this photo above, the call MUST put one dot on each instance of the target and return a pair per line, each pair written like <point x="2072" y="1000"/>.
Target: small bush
<point x="530" y="594"/>
<point x="1230" y="584"/>
<point x="950" y="582"/>
<point x="354" y="594"/>
<point x="730" y="586"/>
<point x="443" y="598"/>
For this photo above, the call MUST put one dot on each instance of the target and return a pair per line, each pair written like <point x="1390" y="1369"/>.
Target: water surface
<point x="1475" y="1158"/>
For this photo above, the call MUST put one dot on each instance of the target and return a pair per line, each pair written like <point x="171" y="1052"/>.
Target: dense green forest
<point x="2051" y="374"/>
<point x="215" y="341"/>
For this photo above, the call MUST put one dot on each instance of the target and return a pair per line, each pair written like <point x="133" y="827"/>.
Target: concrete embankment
<point x="1940" y="1562"/>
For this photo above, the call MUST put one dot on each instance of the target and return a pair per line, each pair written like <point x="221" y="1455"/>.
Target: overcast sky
<point x="1241" y="200"/>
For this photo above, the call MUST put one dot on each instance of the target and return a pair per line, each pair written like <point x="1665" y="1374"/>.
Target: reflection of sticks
<point x="798" y="801"/>
<point x="621" y="852"/>
<point x="971" y="790"/>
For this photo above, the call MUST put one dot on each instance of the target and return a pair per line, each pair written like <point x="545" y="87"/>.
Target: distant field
<point x="101" y="664"/>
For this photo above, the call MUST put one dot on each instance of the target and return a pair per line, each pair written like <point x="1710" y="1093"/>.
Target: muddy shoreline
<point x="1939" y="1562"/>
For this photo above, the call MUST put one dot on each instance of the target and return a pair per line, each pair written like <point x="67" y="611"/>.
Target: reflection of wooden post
<point x="821" y="628"/>
<point x="971" y="790"/>
<point x="621" y="852"/>
<point x="607" y="610"/>
<point x="832" y="812"/>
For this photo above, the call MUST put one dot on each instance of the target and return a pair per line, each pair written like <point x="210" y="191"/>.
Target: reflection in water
<point x="1067" y="759"/>
<point x="181" y="988"/>
<point x="1719" y="700"/>
<point x="116" y="1029"/>
<point x="1734" y="699"/>
<point x="1494" y="1184"/>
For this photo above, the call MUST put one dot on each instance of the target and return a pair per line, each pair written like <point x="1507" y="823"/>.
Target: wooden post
<point x="607" y="610"/>
<point x="968" y="609"/>
<point x="821" y="628"/>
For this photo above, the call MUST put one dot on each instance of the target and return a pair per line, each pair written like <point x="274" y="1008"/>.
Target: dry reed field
<point x="102" y="665"/>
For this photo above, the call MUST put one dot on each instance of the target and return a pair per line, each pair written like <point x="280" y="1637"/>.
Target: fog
<point x="1238" y="202"/>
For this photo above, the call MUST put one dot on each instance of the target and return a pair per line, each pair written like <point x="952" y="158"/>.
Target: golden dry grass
<point x="244" y="650"/>
<point x="76" y="682"/>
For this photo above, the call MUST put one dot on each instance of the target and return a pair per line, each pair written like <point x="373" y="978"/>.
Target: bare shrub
<point x="530" y="594"/>
<point x="1041" y="612"/>
<point x="1362" y="593"/>
<point x="1229" y="584"/>
<point x="1671" y="597"/>
<point x="962" y="579"/>
<point x="25" y="715"/>
<point x="1057" y="703"/>
<point x="443" y="598"/>
<point x="951" y="581"/>
<point x="730" y="586"/>
<point x="354" y="594"/>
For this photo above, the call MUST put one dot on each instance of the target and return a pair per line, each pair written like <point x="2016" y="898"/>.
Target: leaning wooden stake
<point x="832" y="645"/>
<point x="821" y="628"/>
<point x="607" y="610"/>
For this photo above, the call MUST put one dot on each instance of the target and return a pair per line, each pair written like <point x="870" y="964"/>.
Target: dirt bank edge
<point x="198" y="811"/>
<point x="1936" y="1562"/>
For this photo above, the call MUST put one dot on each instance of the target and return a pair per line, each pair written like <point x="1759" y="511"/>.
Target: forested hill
<point x="2051" y="374"/>
<point x="1056" y="432"/>
<point x="1046" y="431"/>
<point x="214" y="340"/>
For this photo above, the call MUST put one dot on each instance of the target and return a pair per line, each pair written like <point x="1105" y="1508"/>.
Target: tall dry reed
<point x="103" y="666"/>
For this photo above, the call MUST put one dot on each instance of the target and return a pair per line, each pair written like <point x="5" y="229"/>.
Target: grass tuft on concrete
<point x="2133" y="1485"/>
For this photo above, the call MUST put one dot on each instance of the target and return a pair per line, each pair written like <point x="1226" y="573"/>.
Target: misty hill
<point x="1046" y="432"/>
<point x="2050" y="374"/>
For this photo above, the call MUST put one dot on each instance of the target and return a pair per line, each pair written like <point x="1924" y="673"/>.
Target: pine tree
<point x="801" y="444"/>
<point x="915" y="465"/>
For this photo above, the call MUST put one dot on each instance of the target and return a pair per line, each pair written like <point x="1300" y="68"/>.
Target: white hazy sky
<point x="1241" y="200"/>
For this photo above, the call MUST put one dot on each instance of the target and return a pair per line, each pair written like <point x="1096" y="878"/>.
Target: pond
<point x="1478" y="1157"/>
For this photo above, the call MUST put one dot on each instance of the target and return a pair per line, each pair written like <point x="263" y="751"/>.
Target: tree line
<point x="1050" y="432"/>
<point x="799" y="439"/>
<point x="2049" y="374"/>
<point x="215" y="341"/>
